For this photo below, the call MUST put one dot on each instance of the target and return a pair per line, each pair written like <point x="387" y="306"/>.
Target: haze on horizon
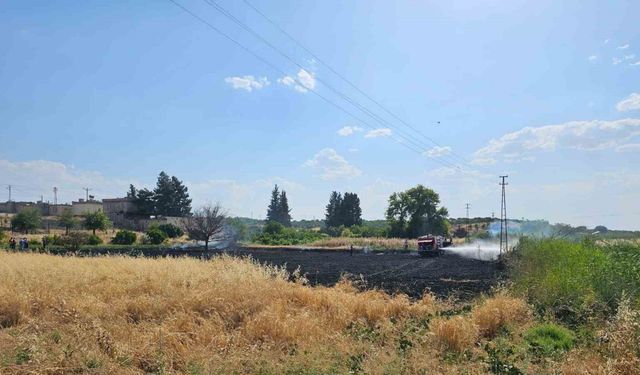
<point x="102" y="95"/>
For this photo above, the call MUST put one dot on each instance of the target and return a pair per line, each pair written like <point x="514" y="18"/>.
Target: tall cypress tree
<point x="332" y="215"/>
<point x="272" y="210"/>
<point x="284" y="213"/>
<point x="350" y="211"/>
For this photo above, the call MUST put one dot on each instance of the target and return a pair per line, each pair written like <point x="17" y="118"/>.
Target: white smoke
<point x="481" y="250"/>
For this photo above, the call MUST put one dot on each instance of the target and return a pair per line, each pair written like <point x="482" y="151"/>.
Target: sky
<point x="448" y="94"/>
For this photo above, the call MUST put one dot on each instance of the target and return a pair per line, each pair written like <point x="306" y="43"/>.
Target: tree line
<point x="169" y="198"/>
<point x="410" y="213"/>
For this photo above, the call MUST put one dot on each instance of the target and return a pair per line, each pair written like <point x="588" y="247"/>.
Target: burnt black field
<point x="446" y="275"/>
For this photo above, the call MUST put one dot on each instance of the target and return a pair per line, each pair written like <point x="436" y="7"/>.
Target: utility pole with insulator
<point x="504" y="235"/>
<point x="87" y="191"/>
<point x="9" y="188"/>
<point x="55" y="196"/>
<point x="467" y="207"/>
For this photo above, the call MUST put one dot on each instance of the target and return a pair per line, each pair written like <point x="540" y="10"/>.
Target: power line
<point x="342" y="77"/>
<point x="345" y="97"/>
<point x="277" y="69"/>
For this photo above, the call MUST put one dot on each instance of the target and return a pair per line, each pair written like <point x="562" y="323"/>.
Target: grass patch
<point x="547" y="339"/>
<point x="576" y="281"/>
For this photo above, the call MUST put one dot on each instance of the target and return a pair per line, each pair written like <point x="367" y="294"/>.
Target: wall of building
<point x="83" y="208"/>
<point x="118" y="205"/>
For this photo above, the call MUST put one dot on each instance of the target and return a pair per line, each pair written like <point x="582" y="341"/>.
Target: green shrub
<point x="72" y="241"/>
<point x="276" y="234"/>
<point x="549" y="338"/>
<point x="94" y="240"/>
<point x="155" y="236"/>
<point x="573" y="280"/>
<point x="124" y="237"/>
<point x="171" y="230"/>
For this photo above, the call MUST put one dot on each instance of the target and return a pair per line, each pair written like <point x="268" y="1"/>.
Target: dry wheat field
<point x="117" y="315"/>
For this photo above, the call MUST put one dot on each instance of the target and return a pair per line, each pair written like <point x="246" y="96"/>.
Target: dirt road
<point x="447" y="275"/>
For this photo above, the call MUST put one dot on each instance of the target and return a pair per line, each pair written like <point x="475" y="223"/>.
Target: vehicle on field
<point x="431" y="245"/>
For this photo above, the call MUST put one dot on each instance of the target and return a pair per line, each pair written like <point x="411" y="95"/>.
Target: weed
<point x="547" y="339"/>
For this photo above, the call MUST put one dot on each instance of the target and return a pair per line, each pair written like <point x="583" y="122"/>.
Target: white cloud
<point x="637" y="63"/>
<point x="594" y="135"/>
<point x="438" y="151"/>
<point x="248" y="83"/>
<point x="629" y="104"/>
<point x="593" y="58"/>
<point x="349" y="130"/>
<point x="303" y="82"/>
<point x="332" y="165"/>
<point x="630" y="147"/>
<point x="623" y="46"/>
<point x="38" y="177"/>
<point x="382" y="132"/>
<point x="606" y="41"/>
<point x="616" y="61"/>
<point x="629" y="57"/>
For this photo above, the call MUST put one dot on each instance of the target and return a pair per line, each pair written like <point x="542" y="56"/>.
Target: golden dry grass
<point x="117" y="315"/>
<point x="360" y="242"/>
<point x="455" y="334"/>
<point x="498" y="312"/>
<point x="131" y="315"/>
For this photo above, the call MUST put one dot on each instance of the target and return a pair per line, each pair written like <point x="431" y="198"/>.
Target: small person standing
<point x="406" y="244"/>
<point x="12" y="243"/>
<point x="22" y="244"/>
<point x="351" y="250"/>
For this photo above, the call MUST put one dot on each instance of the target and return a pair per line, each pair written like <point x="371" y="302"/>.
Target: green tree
<point x="181" y="201"/>
<point x="96" y="221"/>
<point x="284" y="212"/>
<point x="132" y="192"/>
<point x="27" y="219"/>
<point x="332" y="214"/>
<point x="171" y="196"/>
<point x="274" y="204"/>
<point x="415" y="212"/>
<point x="350" y="211"/>
<point x="67" y="220"/>
<point x="145" y="202"/>
<point x="163" y="194"/>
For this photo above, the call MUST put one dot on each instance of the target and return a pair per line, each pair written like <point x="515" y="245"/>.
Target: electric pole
<point x="9" y="188"/>
<point x="87" y="191"/>
<point x="467" y="206"/>
<point x="504" y="236"/>
<point x="55" y="196"/>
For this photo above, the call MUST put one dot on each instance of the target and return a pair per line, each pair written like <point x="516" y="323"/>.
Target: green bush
<point x="548" y="338"/>
<point x="276" y="234"/>
<point x="94" y="240"/>
<point x="171" y="230"/>
<point x="72" y="241"/>
<point x="124" y="237"/>
<point x="572" y="280"/>
<point x="155" y="236"/>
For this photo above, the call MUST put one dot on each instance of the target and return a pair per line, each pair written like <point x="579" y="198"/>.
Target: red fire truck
<point x="432" y="245"/>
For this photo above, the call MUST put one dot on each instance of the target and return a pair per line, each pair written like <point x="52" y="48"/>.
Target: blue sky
<point x="103" y="94"/>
